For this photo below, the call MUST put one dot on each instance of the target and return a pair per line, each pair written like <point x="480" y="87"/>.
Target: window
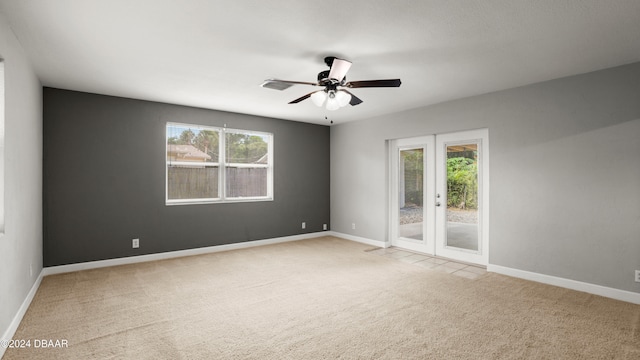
<point x="209" y="164"/>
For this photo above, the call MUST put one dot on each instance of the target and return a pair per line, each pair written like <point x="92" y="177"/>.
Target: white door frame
<point x="434" y="227"/>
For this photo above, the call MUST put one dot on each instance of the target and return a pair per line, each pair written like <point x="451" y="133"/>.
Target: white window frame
<point x="222" y="165"/>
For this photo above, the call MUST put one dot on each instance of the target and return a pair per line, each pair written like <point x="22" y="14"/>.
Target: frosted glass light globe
<point x="319" y="97"/>
<point x="332" y="101"/>
<point x="343" y="98"/>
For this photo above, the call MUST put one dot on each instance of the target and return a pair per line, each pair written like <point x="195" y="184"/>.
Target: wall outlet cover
<point x="135" y="243"/>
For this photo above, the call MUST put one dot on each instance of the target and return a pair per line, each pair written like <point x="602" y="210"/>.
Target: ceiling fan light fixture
<point x="319" y="97"/>
<point x="343" y="98"/>
<point x="332" y="101"/>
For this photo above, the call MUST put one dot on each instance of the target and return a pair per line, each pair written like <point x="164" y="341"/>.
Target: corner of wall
<point x="21" y="244"/>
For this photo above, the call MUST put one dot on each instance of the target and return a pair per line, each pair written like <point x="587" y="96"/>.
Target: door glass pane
<point x="411" y="193"/>
<point x="462" y="196"/>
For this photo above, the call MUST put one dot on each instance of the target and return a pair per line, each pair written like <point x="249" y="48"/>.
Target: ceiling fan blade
<point x="303" y="97"/>
<point x="339" y="69"/>
<point x="283" y="84"/>
<point x="354" y="99"/>
<point x="374" y="83"/>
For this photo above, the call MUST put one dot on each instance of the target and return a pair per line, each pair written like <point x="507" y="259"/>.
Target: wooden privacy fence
<point x="245" y="182"/>
<point x="202" y="182"/>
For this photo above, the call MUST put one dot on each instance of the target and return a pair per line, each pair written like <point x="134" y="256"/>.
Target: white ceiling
<point x="215" y="54"/>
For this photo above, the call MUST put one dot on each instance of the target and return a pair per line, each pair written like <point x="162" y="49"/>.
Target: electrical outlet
<point x="135" y="243"/>
<point x="353" y="226"/>
<point x="304" y="225"/>
<point x="30" y="270"/>
<point x="324" y="226"/>
<point x="637" y="275"/>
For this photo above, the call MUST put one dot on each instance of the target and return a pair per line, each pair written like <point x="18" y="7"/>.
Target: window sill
<point x="226" y="201"/>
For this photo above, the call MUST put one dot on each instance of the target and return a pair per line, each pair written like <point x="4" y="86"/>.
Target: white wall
<point x="565" y="173"/>
<point x="21" y="245"/>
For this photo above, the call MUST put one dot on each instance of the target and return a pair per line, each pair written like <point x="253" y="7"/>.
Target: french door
<point x="439" y="195"/>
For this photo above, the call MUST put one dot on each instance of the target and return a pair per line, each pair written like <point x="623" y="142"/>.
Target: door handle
<point x="437" y="203"/>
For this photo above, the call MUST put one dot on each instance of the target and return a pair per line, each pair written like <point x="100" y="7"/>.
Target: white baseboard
<point x="174" y="254"/>
<point x="612" y="293"/>
<point x="13" y="326"/>
<point x="359" y="239"/>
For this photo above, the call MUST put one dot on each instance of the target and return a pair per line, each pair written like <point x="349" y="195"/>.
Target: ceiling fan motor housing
<point x="323" y="75"/>
<point x="323" y="79"/>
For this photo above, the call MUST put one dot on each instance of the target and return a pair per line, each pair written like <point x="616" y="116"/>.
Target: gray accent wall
<point x="104" y="180"/>
<point x="21" y="243"/>
<point x="564" y="168"/>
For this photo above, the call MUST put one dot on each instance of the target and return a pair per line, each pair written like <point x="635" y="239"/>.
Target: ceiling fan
<point x="334" y="81"/>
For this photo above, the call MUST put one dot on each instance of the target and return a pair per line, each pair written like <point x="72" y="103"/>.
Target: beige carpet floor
<point x="323" y="298"/>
